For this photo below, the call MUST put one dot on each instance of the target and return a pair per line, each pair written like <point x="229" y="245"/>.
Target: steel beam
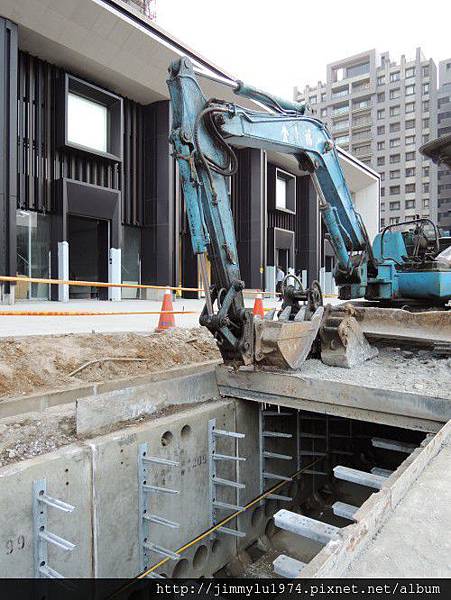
<point x="393" y="445"/>
<point x="305" y="526"/>
<point x="359" y="477"/>
<point x="285" y="566"/>
<point x="381" y="472"/>
<point x="347" y="511"/>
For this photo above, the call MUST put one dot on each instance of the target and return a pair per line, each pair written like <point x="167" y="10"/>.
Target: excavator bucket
<point x="426" y="328"/>
<point x="285" y="344"/>
<point x="343" y="343"/>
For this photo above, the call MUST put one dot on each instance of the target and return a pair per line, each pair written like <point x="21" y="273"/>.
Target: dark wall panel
<point x="308" y="243"/>
<point x="159" y="218"/>
<point x="40" y="160"/>
<point x="8" y="147"/>
<point x="249" y="213"/>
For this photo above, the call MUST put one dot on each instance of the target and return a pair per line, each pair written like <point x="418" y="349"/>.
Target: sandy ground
<point x="40" y="363"/>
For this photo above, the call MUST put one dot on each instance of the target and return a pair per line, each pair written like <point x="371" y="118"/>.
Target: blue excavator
<point x="402" y="266"/>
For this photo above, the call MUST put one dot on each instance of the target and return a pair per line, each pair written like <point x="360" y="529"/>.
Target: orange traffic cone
<point x="258" y="307"/>
<point x="167" y="321"/>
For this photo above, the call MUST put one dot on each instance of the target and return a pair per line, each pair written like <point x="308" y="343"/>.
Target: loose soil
<point x="41" y="363"/>
<point x="35" y="433"/>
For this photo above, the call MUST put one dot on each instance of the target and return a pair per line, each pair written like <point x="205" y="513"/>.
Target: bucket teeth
<point x="343" y="343"/>
<point x="285" y="344"/>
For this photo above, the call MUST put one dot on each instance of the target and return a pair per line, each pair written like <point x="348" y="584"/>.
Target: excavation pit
<point x="164" y="466"/>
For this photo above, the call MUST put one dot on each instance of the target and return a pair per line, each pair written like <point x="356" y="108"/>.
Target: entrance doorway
<point x="88" y="255"/>
<point x="282" y="259"/>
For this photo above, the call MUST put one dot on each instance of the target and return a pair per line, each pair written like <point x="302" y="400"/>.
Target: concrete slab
<point x="110" y="408"/>
<point x="68" y="475"/>
<point x="324" y="393"/>
<point x="415" y="540"/>
<point x="181" y="437"/>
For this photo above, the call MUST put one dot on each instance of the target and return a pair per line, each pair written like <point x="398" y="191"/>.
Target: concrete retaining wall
<point x="100" y="478"/>
<point x="68" y="476"/>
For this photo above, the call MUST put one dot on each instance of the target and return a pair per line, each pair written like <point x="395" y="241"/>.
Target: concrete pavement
<point x="26" y="325"/>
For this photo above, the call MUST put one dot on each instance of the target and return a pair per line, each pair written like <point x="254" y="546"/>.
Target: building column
<point x="8" y="163"/>
<point x="158" y="236"/>
<point x="249" y="207"/>
<point x="308" y="229"/>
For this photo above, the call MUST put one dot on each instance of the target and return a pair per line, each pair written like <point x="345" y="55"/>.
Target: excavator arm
<point x="203" y="133"/>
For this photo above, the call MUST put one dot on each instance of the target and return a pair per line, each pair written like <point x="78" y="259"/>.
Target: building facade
<point x="444" y="128"/>
<point x="89" y="189"/>
<point x="382" y="112"/>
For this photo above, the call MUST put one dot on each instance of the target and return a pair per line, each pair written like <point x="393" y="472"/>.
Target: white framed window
<point x="281" y="193"/>
<point x="87" y="123"/>
<point x="285" y="191"/>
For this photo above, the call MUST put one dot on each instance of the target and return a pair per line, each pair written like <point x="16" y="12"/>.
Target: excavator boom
<point x="204" y="133"/>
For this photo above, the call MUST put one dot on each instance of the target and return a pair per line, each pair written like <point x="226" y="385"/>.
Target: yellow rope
<point x="227" y="519"/>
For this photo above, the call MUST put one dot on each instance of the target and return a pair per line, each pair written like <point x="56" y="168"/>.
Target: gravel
<point x="417" y="371"/>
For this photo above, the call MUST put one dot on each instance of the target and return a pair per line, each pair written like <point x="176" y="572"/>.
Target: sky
<point x="276" y="45"/>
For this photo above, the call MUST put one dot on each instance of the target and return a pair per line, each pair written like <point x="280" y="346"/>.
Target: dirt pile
<point x="40" y="363"/>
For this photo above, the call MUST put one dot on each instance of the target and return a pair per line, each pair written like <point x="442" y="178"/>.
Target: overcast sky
<point x="278" y="44"/>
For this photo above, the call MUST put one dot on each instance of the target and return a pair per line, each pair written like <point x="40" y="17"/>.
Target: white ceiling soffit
<point x="99" y="40"/>
<point x="357" y="175"/>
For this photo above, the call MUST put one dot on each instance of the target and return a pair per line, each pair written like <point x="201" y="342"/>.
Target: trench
<point x="328" y="442"/>
<point x="216" y="454"/>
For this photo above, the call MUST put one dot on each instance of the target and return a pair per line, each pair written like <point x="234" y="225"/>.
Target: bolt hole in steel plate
<point x="167" y="438"/>
<point x="215" y="546"/>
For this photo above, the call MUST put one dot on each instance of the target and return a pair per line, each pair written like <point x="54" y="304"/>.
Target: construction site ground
<point x="413" y="540"/>
<point x="41" y="363"/>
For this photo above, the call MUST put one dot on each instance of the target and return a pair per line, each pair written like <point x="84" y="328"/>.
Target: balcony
<point x="361" y="136"/>
<point x="361" y="107"/>
<point x="342" y="110"/>
<point x="340" y="126"/>
<point x="340" y="93"/>
<point x="359" y="123"/>
<point x="361" y="87"/>
<point x="362" y="151"/>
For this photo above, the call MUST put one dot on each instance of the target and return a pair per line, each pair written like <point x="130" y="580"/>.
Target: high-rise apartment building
<point x="382" y="112"/>
<point x="444" y="128"/>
